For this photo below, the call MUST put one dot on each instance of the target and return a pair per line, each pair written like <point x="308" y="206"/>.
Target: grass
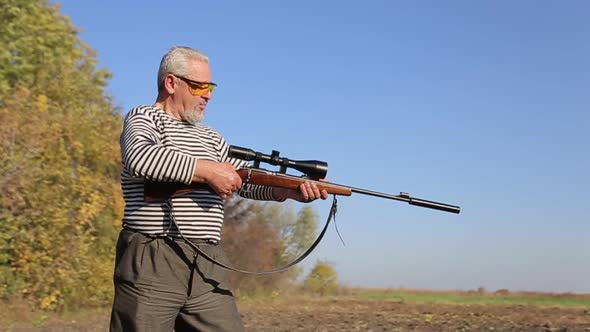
<point x="20" y="315"/>
<point x="476" y="297"/>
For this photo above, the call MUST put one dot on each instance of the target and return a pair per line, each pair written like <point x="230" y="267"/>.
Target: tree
<point x="299" y="234"/>
<point x="265" y="236"/>
<point x="322" y="280"/>
<point x="59" y="161"/>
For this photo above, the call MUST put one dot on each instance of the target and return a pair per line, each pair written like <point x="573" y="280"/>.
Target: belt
<point x="177" y="238"/>
<point x="211" y="242"/>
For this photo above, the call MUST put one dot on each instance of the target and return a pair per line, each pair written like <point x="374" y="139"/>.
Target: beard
<point x="193" y="116"/>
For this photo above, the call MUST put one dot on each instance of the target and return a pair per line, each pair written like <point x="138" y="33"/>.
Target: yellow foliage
<point x="49" y="302"/>
<point x="118" y="202"/>
<point x="322" y="280"/>
<point x="41" y="103"/>
<point x="59" y="211"/>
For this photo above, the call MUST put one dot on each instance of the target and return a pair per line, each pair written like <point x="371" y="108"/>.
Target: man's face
<point x="194" y="105"/>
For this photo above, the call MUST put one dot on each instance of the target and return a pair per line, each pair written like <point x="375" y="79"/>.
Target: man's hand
<point x="308" y="191"/>
<point x="221" y="177"/>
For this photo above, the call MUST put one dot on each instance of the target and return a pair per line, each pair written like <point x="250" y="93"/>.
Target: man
<point x="161" y="283"/>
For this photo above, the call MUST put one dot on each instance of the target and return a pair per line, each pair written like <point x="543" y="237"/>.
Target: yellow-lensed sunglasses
<point x="198" y="88"/>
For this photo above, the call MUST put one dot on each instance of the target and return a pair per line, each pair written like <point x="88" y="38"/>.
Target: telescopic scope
<point x="314" y="169"/>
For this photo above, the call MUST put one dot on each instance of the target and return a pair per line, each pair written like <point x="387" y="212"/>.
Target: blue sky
<point x="479" y="104"/>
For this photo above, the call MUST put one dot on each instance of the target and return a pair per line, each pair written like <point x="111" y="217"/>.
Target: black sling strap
<point x="331" y="215"/>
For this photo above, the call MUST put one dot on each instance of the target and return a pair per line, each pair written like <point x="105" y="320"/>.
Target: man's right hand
<point x="221" y="177"/>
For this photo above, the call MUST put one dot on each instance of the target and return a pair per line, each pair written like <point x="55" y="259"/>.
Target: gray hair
<point x="175" y="61"/>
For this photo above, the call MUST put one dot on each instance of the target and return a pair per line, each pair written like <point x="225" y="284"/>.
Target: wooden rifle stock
<point x="164" y="190"/>
<point x="274" y="179"/>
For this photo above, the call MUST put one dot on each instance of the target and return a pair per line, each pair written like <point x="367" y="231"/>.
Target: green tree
<point x="59" y="161"/>
<point x="299" y="234"/>
<point x="322" y="279"/>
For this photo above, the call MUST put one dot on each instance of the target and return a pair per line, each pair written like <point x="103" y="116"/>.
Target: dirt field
<point x="389" y="315"/>
<point x="342" y="314"/>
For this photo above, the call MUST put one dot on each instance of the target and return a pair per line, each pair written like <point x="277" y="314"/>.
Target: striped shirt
<point x="158" y="147"/>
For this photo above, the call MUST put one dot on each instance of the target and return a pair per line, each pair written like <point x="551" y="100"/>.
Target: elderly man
<point x="161" y="282"/>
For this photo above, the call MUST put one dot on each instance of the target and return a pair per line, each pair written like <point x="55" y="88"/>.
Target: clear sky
<point x="482" y="104"/>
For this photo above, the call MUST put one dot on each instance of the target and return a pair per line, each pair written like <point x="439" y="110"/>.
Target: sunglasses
<point x="198" y="88"/>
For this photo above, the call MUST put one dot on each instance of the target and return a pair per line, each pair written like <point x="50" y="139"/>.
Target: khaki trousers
<point x="161" y="284"/>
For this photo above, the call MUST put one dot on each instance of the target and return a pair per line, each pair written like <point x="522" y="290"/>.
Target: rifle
<point x="313" y="170"/>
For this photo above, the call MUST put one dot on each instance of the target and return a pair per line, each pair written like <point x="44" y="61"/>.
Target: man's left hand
<point x="308" y="192"/>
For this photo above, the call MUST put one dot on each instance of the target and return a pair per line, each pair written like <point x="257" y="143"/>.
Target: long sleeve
<point x="145" y="156"/>
<point x="155" y="146"/>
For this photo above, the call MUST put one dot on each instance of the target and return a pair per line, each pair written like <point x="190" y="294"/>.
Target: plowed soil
<point x="343" y="314"/>
<point x="390" y="315"/>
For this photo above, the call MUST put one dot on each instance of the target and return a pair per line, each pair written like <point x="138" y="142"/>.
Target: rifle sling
<point x="331" y="215"/>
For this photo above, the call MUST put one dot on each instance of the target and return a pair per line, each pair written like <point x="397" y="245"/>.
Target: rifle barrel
<point x="405" y="197"/>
